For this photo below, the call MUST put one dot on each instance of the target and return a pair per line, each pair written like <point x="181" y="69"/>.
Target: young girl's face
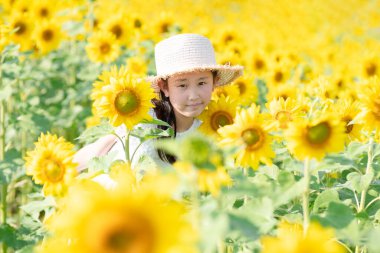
<point x="190" y="93"/>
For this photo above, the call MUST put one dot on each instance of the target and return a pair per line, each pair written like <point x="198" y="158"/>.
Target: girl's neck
<point x="183" y="123"/>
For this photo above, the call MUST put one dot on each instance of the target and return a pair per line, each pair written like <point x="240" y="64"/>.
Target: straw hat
<point x="187" y="53"/>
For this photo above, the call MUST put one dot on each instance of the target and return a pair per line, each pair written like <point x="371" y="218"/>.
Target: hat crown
<point x="183" y="52"/>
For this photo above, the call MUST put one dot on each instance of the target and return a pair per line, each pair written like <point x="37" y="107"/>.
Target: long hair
<point x="164" y="111"/>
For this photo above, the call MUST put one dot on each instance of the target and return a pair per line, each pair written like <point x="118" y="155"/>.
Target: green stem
<point x="305" y="196"/>
<point x="4" y="187"/>
<point x="245" y="173"/>
<point x="126" y="147"/>
<point x="368" y="171"/>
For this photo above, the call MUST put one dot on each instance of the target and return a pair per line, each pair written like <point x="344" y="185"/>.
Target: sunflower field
<point x="287" y="158"/>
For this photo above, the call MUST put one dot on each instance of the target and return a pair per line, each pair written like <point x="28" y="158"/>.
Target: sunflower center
<point x="137" y="23"/>
<point x="376" y="108"/>
<point x="117" y="31"/>
<point x="370" y="68"/>
<point x="165" y="27"/>
<point x="220" y="119"/>
<point x="44" y="12"/>
<point x="348" y="127"/>
<point x="283" y="117"/>
<point x="278" y="76"/>
<point x="21" y="28"/>
<point x="259" y="64"/>
<point x="53" y="171"/>
<point x="105" y="48"/>
<point x="242" y="87"/>
<point x="253" y="138"/>
<point x="126" y="102"/>
<point x="228" y="38"/>
<point x="319" y="133"/>
<point x="47" y="35"/>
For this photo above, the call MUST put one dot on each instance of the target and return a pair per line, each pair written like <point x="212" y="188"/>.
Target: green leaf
<point x="325" y="198"/>
<point x="359" y="182"/>
<point x="93" y="133"/>
<point x="244" y="226"/>
<point x="283" y="196"/>
<point x="337" y="215"/>
<point x="156" y="122"/>
<point x="150" y="133"/>
<point x="8" y="235"/>
<point x="5" y="92"/>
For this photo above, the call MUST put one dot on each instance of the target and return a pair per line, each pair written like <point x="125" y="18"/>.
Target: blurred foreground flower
<point x="96" y="220"/>
<point x="290" y="239"/>
<point x="51" y="164"/>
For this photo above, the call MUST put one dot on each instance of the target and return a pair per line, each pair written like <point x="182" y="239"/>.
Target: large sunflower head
<point x="23" y="26"/>
<point x="47" y="36"/>
<point x="121" y="221"/>
<point x="102" y="47"/>
<point x="251" y="134"/>
<point x="218" y="113"/>
<point x="123" y="101"/>
<point x="51" y="164"/>
<point x="314" y="138"/>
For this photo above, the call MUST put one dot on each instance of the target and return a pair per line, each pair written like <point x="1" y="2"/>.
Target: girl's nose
<point x="193" y="94"/>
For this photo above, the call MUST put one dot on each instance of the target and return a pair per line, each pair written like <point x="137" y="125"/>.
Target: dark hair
<point x="164" y="111"/>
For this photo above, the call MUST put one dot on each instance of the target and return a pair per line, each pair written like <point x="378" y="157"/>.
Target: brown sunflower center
<point x="259" y="64"/>
<point x="376" y="108"/>
<point x="349" y="127"/>
<point x="21" y="27"/>
<point x="53" y="171"/>
<point x="47" y="35"/>
<point x="105" y="48"/>
<point x="220" y="119"/>
<point x="370" y="68"/>
<point x="134" y="235"/>
<point x="126" y="102"/>
<point x="44" y="12"/>
<point x="242" y="87"/>
<point x="253" y="138"/>
<point x="278" y="76"/>
<point x="137" y="23"/>
<point x="164" y="27"/>
<point x="319" y="133"/>
<point x="117" y="31"/>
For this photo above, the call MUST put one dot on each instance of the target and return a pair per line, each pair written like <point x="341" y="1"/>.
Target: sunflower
<point x="43" y="9"/>
<point x="313" y="138"/>
<point x="258" y="63"/>
<point x="369" y="96"/>
<point x="137" y="66"/>
<point x="121" y="221"/>
<point x="162" y="25"/>
<point x="231" y="91"/>
<point x="47" y="36"/>
<point x="248" y="92"/>
<point x="102" y="47"/>
<point x="218" y="113"/>
<point x="124" y="101"/>
<point x="291" y="240"/>
<point x="348" y="111"/>
<point x="251" y="134"/>
<point x="371" y="66"/>
<point x="51" y="164"/>
<point x="282" y="111"/>
<point x="23" y="26"/>
<point x="118" y="26"/>
<point x="285" y="90"/>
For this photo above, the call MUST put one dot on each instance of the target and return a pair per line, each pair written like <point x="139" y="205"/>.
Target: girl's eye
<point x="182" y="86"/>
<point x="202" y="83"/>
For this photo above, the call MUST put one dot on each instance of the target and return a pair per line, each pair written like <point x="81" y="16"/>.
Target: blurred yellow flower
<point x="282" y="111"/>
<point x="102" y="47"/>
<point x="124" y="100"/>
<point x="121" y="221"/>
<point x="251" y="135"/>
<point x="369" y="96"/>
<point x="119" y="25"/>
<point x="136" y="66"/>
<point x="231" y="91"/>
<point x="51" y="164"/>
<point x="47" y="36"/>
<point x="248" y="92"/>
<point x="291" y="240"/>
<point x="23" y="27"/>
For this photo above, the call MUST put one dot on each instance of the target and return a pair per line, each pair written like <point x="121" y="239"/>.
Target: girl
<point x="187" y="73"/>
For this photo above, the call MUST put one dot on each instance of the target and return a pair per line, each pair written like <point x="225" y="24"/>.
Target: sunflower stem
<point x="305" y="196"/>
<point x="126" y="147"/>
<point x="245" y="173"/>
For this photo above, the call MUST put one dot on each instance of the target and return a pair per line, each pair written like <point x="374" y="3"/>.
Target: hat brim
<point x="225" y="74"/>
